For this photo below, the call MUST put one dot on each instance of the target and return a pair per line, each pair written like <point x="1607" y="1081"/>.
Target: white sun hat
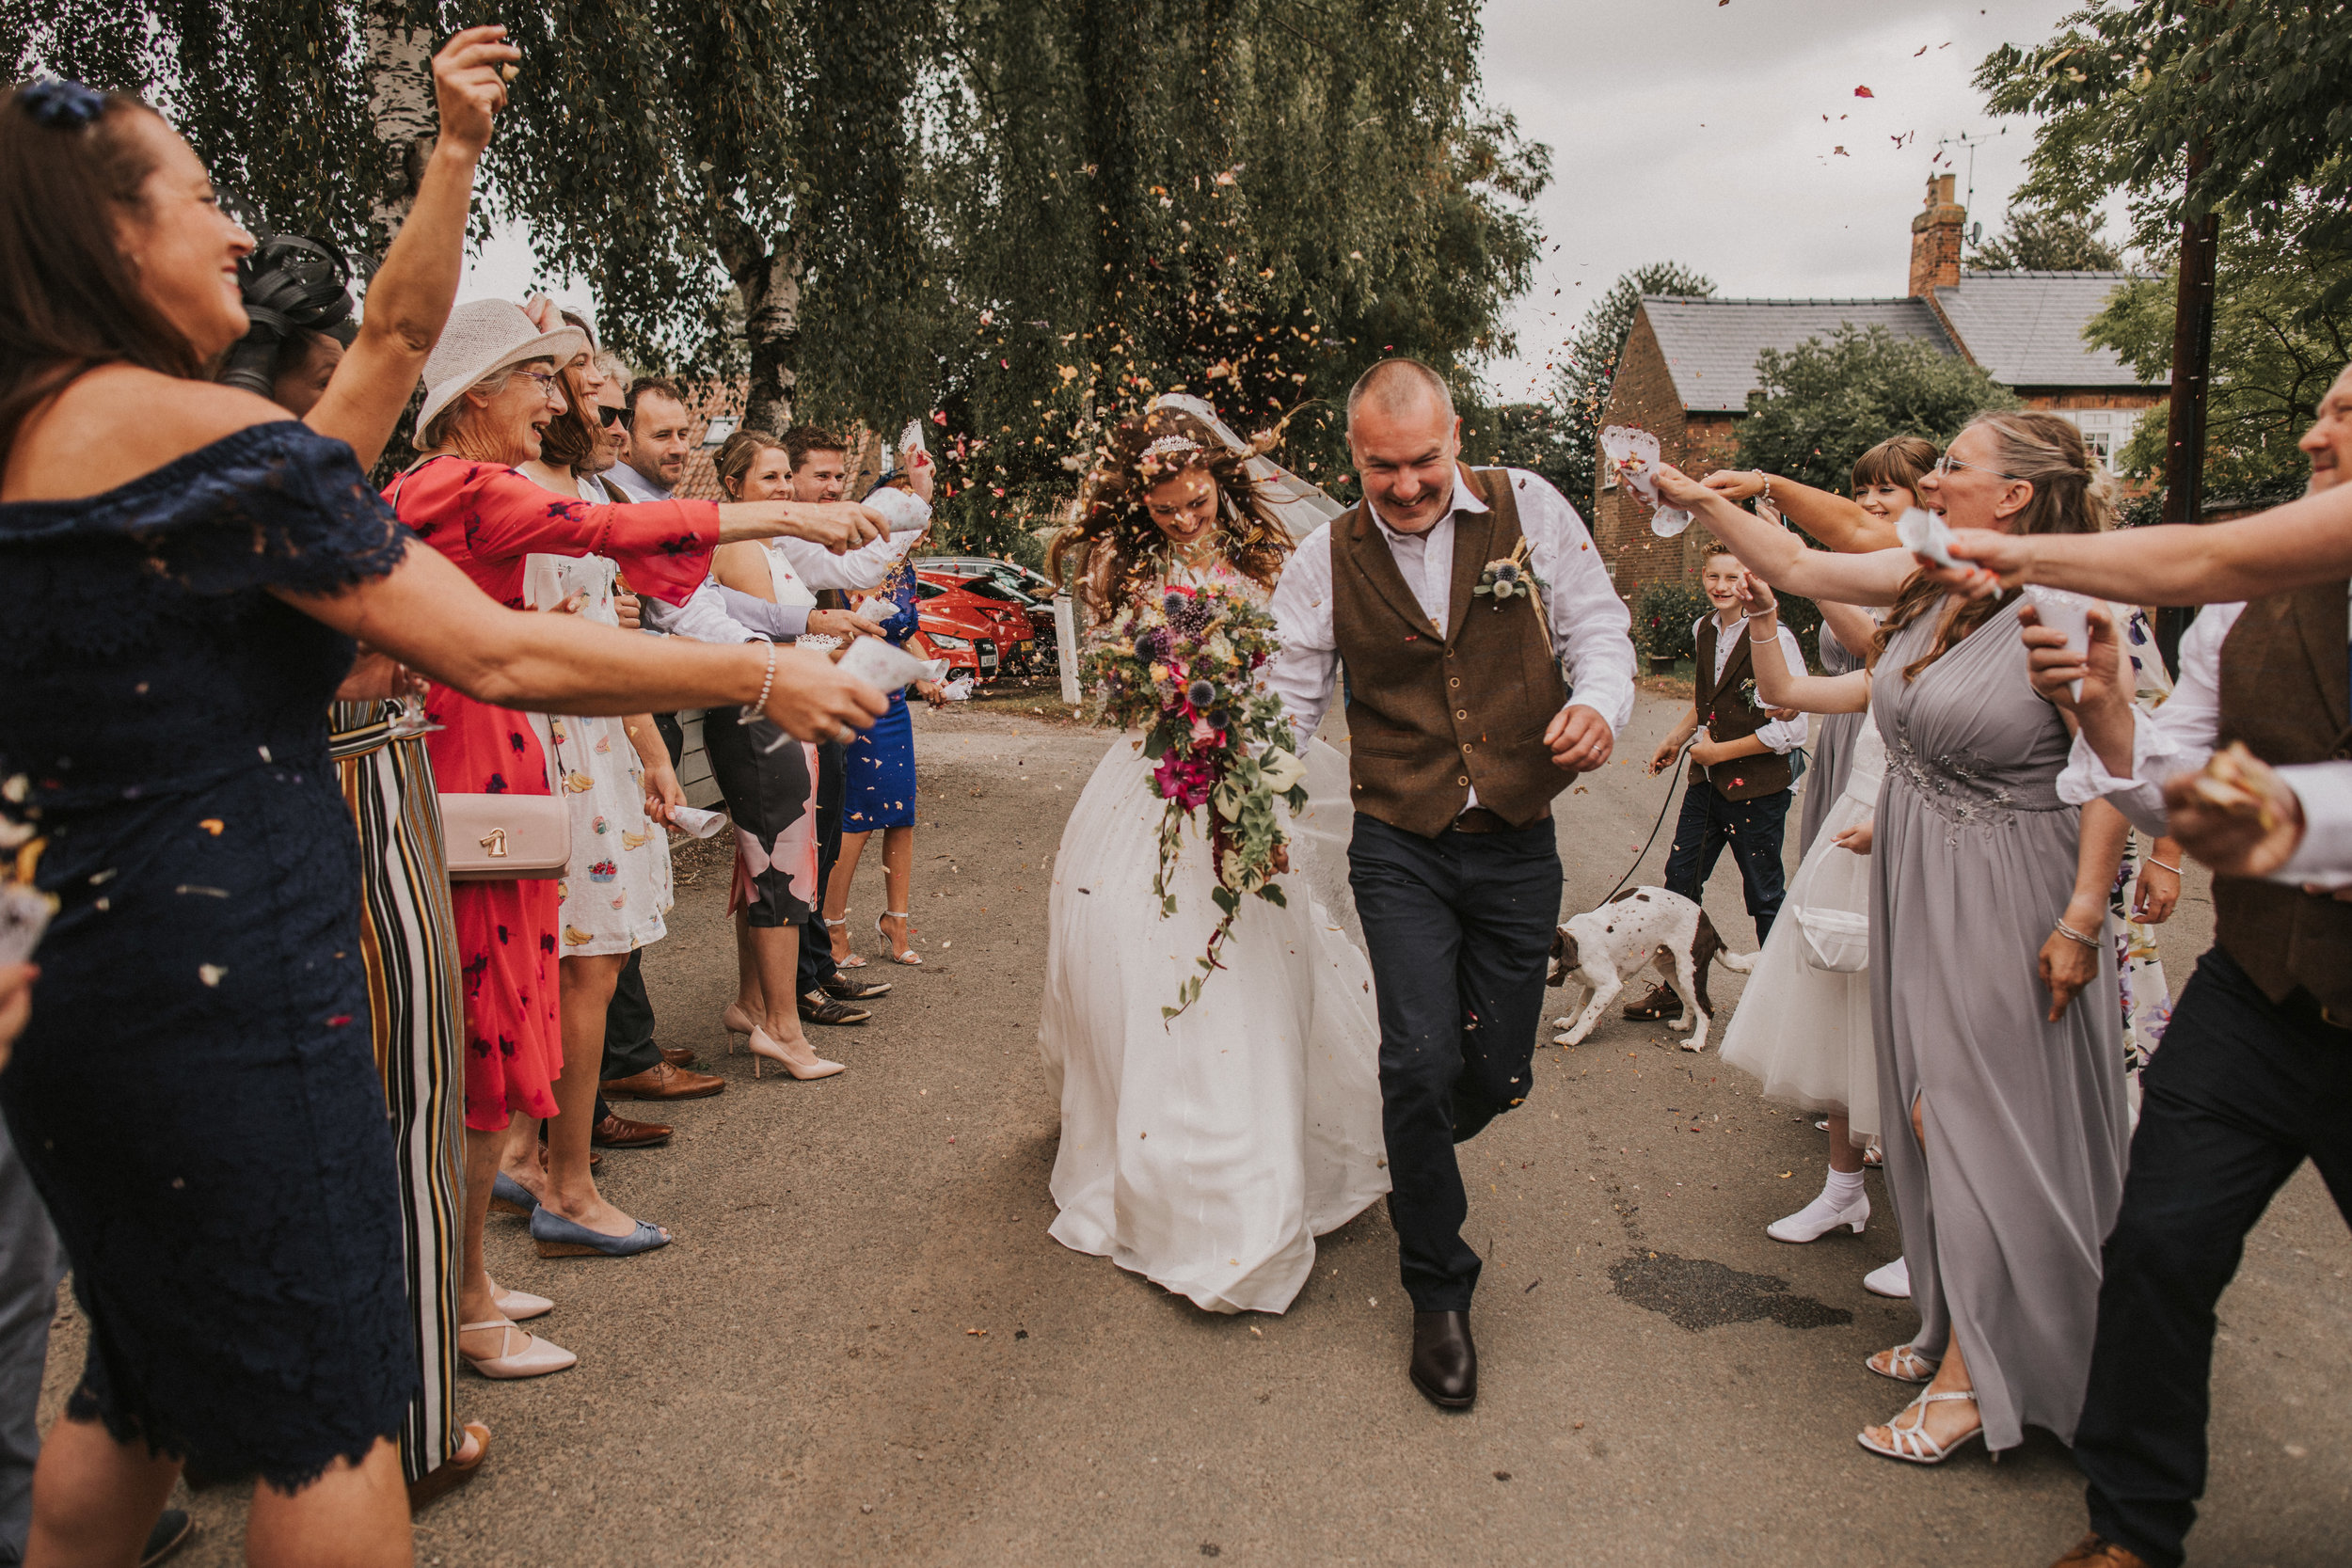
<point x="484" y="336"/>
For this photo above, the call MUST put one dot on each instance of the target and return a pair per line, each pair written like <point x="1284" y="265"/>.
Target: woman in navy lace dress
<point x="196" y="1097"/>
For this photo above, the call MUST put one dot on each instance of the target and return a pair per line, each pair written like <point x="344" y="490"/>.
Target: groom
<point x="1461" y="729"/>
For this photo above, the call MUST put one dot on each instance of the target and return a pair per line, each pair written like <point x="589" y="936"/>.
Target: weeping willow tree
<point x="1024" y="217"/>
<point x="1248" y="200"/>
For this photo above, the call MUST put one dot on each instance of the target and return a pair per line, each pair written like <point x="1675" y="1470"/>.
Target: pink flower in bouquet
<point x="1185" y="780"/>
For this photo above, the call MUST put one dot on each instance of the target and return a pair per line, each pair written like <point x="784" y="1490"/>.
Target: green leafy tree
<point x="1586" y="365"/>
<point x="2042" y="239"/>
<point x="1821" y="404"/>
<point x="2274" y="353"/>
<point x="1535" y="436"/>
<point x="1249" y="201"/>
<point x="2127" y="90"/>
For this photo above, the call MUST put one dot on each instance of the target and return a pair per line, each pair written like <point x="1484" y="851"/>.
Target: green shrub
<point x="1662" y="618"/>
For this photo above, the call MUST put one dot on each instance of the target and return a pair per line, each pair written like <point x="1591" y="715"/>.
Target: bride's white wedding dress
<point x="1207" y="1153"/>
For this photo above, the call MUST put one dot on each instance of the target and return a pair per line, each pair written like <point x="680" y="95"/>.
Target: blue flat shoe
<point x="561" y="1238"/>
<point x="510" y="1196"/>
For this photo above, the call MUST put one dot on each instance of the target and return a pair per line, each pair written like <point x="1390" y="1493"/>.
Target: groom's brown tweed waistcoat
<point x="1430" y="717"/>
<point x="2286" y="691"/>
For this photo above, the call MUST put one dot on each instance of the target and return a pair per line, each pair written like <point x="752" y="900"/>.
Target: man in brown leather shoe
<point x="1471" y="703"/>
<point x="614" y="1131"/>
<point x="663" y="1082"/>
<point x="2096" y="1551"/>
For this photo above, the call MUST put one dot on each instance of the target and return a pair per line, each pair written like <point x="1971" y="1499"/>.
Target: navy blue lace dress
<point x="196" y="1096"/>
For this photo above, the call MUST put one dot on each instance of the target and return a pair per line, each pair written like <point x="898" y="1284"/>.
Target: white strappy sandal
<point x="1903" y="1364"/>
<point x="1911" y="1444"/>
<point x="855" y="959"/>
<point x="909" y="956"/>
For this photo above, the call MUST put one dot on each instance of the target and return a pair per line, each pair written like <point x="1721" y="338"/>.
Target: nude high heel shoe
<point x="735" y="1020"/>
<point x="802" y="1063"/>
<point x="534" y="1357"/>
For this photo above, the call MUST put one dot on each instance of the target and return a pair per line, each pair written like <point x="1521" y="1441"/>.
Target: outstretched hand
<point x="469" y="85"/>
<point x="1990" y="562"/>
<point x="1756" y="596"/>
<point x="1680" y="490"/>
<point x="2235" y="814"/>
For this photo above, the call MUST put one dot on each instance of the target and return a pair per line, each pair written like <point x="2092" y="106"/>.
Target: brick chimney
<point x="1935" y="240"/>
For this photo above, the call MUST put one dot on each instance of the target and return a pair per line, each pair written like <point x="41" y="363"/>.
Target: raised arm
<point x="1835" y="520"/>
<point x="409" y="301"/>
<point x="2288" y="546"/>
<point x="1780" y="558"/>
<point x="1852" y="625"/>
<point x="1780" y="686"/>
<point x="430" y="616"/>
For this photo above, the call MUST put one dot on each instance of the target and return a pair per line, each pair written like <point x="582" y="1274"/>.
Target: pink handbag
<point x="491" y="838"/>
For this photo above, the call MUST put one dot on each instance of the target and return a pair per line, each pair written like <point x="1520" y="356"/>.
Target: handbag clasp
<point x="496" y="843"/>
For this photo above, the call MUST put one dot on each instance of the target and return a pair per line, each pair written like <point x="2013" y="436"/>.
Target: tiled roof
<point x="1710" y="345"/>
<point x="2026" y="327"/>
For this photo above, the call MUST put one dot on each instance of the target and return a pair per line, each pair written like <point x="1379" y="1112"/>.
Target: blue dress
<point x="878" y="764"/>
<point x="196" y="1096"/>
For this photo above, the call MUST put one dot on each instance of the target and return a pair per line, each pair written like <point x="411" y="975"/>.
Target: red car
<point x="973" y="632"/>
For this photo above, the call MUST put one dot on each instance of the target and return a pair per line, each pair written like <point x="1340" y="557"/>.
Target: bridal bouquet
<point x="1179" y="667"/>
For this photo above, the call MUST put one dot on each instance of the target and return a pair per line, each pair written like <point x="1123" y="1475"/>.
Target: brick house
<point x="1689" y="365"/>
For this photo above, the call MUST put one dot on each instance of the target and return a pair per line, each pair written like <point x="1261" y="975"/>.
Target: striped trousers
<point x="409" y="945"/>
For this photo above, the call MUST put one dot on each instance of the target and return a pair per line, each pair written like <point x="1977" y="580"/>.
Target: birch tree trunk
<point x="400" y="105"/>
<point x="771" y="287"/>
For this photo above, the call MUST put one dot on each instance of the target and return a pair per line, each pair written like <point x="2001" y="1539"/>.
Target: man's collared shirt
<point x="2180" y="736"/>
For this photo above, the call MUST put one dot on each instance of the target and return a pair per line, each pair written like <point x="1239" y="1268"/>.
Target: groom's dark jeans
<point x="2242" y="1090"/>
<point x="1459" y="931"/>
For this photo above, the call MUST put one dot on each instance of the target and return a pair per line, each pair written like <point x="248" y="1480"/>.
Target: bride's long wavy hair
<point x="1116" y="548"/>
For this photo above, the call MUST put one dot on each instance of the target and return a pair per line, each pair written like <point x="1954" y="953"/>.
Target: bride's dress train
<point x="1207" y="1153"/>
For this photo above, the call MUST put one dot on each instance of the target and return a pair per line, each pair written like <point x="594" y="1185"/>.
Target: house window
<point x="720" y="427"/>
<point x="2102" y="429"/>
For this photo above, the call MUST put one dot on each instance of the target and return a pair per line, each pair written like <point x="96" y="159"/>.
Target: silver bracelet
<point x="2073" y="935"/>
<point x="1764" y="642"/>
<point x="758" y="705"/>
<point x="1766" y="481"/>
<point x="2174" y="869"/>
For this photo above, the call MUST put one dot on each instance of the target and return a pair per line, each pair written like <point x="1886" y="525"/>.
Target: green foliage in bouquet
<point x="1181" y="666"/>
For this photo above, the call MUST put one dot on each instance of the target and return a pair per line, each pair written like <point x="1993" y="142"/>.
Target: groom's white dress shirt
<point x="2180" y="736"/>
<point x="1589" y="624"/>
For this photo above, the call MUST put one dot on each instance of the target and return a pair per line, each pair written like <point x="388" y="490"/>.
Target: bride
<point x="1204" y="1152"/>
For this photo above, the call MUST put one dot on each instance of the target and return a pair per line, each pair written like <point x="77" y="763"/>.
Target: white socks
<point x="1842" y="1188"/>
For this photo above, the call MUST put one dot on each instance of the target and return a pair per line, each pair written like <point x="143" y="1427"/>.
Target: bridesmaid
<point x="1988" y="892"/>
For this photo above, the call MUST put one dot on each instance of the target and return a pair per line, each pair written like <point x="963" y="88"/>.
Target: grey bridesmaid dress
<point x="2004" y="1211"/>
<point x="1833" y="748"/>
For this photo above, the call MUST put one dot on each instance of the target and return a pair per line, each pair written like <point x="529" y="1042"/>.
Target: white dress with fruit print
<point x="617" y="890"/>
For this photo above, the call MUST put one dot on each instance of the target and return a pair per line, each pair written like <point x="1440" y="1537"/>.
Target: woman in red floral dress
<point x="491" y="390"/>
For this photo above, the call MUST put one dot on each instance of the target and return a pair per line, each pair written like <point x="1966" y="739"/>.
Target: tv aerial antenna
<point x="1970" y="141"/>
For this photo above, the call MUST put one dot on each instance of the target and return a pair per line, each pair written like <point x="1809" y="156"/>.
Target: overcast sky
<point x="1692" y="131"/>
<point x="1706" y="133"/>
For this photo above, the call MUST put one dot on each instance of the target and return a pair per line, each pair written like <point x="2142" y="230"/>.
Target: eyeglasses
<point x="609" y="417"/>
<point x="546" y="380"/>
<point x="1946" y="463"/>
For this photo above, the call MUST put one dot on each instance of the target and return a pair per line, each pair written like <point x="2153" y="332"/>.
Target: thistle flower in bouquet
<point x="1181" y="666"/>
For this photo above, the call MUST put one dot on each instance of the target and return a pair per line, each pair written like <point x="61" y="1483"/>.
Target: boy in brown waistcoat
<point x="1739" y="791"/>
<point x="2256" y="1070"/>
<point x="1487" y="665"/>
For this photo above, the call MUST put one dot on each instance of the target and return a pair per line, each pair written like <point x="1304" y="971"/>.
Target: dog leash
<point x="1673" y="778"/>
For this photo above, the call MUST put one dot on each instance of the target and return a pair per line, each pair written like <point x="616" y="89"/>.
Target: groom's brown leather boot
<point x="1445" y="1363"/>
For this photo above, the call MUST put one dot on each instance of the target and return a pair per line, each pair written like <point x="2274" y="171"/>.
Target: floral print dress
<point x="2146" y="996"/>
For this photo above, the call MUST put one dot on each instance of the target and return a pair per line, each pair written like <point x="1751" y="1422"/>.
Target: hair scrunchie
<point x="61" y="105"/>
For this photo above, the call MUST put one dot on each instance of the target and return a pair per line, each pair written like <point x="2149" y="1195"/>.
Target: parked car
<point x="1030" y="591"/>
<point x="974" y="632"/>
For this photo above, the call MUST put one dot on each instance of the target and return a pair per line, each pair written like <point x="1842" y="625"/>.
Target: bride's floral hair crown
<point x="1119" y="549"/>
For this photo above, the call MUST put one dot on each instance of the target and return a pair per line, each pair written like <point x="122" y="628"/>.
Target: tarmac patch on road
<point x="1699" y="1293"/>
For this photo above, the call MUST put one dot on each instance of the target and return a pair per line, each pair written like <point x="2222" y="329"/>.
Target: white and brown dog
<point x="1642" y="926"/>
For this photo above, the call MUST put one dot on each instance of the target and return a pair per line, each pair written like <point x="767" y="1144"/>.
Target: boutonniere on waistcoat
<point x="1746" y="691"/>
<point x="1509" y="578"/>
